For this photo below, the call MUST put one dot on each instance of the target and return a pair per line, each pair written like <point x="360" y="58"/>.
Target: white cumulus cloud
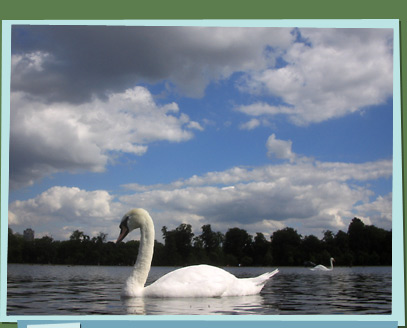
<point x="310" y="196"/>
<point x="48" y="138"/>
<point x="329" y="74"/>
<point x="60" y="207"/>
<point x="313" y="195"/>
<point x="279" y="148"/>
<point x="250" y="125"/>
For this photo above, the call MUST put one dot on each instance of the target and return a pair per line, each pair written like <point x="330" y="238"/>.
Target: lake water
<point x="87" y="290"/>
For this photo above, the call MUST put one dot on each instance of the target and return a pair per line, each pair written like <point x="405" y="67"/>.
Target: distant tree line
<point x="360" y="245"/>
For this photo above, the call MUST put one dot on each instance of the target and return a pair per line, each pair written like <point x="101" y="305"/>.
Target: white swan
<point x="321" y="267"/>
<point x="192" y="281"/>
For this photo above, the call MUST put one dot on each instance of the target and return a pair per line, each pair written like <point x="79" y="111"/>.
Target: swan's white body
<point x="192" y="281"/>
<point x="321" y="267"/>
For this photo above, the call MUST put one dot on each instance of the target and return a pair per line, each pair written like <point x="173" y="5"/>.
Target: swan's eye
<point x="124" y="223"/>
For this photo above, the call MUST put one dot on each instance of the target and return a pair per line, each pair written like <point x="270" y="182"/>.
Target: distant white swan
<point x="321" y="267"/>
<point x="192" y="281"/>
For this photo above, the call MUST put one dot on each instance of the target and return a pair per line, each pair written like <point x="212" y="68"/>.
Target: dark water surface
<point x="87" y="290"/>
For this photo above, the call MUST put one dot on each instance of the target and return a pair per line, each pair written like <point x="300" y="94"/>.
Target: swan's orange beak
<point x="123" y="233"/>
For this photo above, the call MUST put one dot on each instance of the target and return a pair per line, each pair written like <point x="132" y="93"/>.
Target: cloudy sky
<point x="257" y="128"/>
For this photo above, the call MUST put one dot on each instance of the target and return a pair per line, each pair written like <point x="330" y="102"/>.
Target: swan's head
<point x="133" y="219"/>
<point x="332" y="259"/>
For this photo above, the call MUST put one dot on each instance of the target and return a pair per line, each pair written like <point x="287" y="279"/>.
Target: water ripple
<point x="68" y="290"/>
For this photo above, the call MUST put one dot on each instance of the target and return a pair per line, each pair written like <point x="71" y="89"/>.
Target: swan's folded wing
<point x="205" y="281"/>
<point x="193" y="281"/>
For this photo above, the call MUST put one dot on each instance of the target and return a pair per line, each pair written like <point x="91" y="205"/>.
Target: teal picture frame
<point x="315" y="14"/>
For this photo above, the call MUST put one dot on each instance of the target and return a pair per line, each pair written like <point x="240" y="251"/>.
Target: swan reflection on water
<point x="194" y="306"/>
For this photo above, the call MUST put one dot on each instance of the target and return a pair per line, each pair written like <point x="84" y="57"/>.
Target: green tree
<point x="100" y="238"/>
<point x="343" y="255"/>
<point x="261" y="250"/>
<point x="286" y="247"/>
<point x="78" y="236"/>
<point x="178" y="244"/>
<point x="207" y="246"/>
<point x="44" y="250"/>
<point x="211" y="240"/>
<point x="311" y="248"/>
<point x="15" y="247"/>
<point x="360" y="245"/>
<point x="237" y="246"/>
<point x="357" y="241"/>
<point x="356" y="235"/>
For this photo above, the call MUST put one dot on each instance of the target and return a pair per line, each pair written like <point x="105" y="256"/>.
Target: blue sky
<point x="260" y="128"/>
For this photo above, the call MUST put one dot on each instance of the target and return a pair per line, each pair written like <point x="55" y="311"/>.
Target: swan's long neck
<point x="145" y="255"/>
<point x="332" y="265"/>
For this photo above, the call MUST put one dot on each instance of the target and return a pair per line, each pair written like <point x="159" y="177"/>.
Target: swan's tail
<point x="249" y="286"/>
<point x="261" y="280"/>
